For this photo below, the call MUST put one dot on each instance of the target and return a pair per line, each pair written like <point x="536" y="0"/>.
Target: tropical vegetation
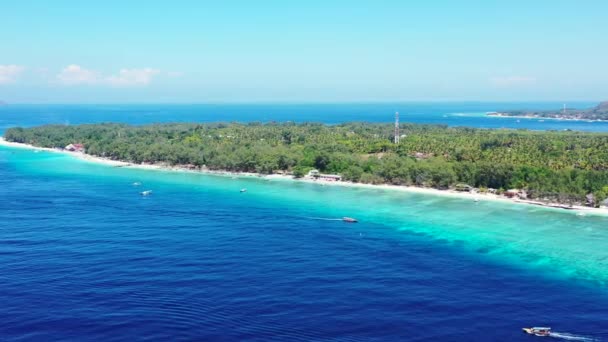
<point x="566" y="166"/>
<point x="599" y="112"/>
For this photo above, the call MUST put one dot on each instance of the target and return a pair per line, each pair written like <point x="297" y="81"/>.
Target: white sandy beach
<point x="473" y="196"/>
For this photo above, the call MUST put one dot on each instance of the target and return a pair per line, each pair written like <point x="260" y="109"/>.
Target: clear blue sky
<point x="302" y="51"/>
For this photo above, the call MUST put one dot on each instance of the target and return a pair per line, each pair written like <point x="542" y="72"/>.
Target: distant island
<point x="597" y="113"/>
<point x="570" y="168"/>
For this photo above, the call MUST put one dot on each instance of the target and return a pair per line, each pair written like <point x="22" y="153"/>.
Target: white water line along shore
<point x="473" y="196"/>
<point x="500" y="115"/>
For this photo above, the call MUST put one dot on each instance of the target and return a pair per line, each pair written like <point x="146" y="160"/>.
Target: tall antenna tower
<point x="396" y="127"/>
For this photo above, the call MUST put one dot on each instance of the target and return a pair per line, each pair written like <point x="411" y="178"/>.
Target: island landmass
<point x="567" y="168"/>
<point x="597" y="113"/>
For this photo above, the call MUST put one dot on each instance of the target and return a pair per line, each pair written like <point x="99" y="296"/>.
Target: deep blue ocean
<point x="84" y="257"/>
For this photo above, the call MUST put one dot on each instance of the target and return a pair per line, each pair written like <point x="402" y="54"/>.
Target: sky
<point x="302" y="51"/>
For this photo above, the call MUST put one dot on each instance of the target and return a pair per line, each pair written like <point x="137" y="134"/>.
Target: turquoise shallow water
<point x="555" y="242"/>
<point x="83" y="255"/>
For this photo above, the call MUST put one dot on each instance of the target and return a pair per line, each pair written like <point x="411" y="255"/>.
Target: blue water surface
<point x="470" y="114"/>
<point x="84" y="257"/>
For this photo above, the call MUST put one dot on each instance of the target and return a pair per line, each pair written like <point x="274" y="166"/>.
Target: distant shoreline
<point x="532" y="117"/>
<point x="598" y="113"/>
<point x="474" y="196"/>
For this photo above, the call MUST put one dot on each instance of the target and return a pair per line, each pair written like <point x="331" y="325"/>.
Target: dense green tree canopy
<point x="553" y="165"/>
<point x="599" y="112"/>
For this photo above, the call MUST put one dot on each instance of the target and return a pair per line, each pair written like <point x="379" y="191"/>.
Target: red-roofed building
<point x="75" y="148"/>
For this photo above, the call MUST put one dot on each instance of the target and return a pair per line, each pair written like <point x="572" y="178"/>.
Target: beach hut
<point x="590" y="199"/>
<point x="330" y="178"/>
<point x="522" y="194"/>
<point x="463" y="187"/>
<point x="313" y="173"/>
<point x="75" y="148"/>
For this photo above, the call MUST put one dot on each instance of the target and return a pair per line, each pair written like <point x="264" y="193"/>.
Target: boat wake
<point x="571" y="337"/>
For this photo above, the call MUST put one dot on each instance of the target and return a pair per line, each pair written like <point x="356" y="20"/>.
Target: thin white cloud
<point x="512" y="81"/>
<point x="132" y="77"/>
<point x="76" y="75"/>
<point x="9" y="73"/>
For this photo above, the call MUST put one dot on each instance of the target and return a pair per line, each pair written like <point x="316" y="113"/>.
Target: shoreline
<point x="500" y="115"/>
<point x="475" y="196"/>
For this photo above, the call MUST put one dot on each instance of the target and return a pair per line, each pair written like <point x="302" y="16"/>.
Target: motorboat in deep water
<point x="349" y="220"/>
<point x="243" y="190"/>
<point x="146" y="193"/>
<point x="538" y="331"/>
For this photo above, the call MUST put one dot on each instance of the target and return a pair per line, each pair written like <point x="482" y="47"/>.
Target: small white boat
<point x="538" y="331"/>
<point x="136" y="184"/>
<point x="146" y="193"/>
<point x="349" y="220"/>
<point x="243" y="190"/>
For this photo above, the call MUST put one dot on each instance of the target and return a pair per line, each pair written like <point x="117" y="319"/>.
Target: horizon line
<point x="363" y="102"/>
